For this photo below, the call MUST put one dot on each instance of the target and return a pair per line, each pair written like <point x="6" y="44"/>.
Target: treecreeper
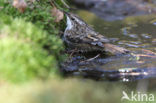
<point x="80" y="36"/>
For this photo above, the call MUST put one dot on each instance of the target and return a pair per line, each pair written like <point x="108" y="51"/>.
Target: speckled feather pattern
<point x="81" y="36"/>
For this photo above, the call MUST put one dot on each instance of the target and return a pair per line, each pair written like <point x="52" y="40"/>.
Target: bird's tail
<point x="115" y="50"/>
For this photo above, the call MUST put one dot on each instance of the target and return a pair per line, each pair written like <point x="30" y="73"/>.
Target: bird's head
<point x="73" y="20"/>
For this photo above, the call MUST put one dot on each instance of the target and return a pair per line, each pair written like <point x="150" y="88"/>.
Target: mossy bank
<point x="30" y="45"/>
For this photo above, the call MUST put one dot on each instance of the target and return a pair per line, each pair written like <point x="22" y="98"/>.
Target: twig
<point x="149" y="52"/>
<point x="52" y="3"/>
<point x="65" y="4"/>
<point x="91" y="58"/>
<point x="144" y="55"/>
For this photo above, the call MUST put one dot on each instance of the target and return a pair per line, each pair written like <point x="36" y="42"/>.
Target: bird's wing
<point x="113" y="49"/>
<point x="98" y="37"/>
<point x="100" y="41"/>
<point x="89" y="38"/>
<point x="94" y="39"/>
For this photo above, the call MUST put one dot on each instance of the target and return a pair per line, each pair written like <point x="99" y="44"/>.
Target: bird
<point x="82" y="37"/>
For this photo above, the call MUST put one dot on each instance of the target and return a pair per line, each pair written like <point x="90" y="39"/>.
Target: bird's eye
<point x="72" y="18"/>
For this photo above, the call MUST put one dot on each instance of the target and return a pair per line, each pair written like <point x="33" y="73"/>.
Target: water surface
<point x="136" y="33"/>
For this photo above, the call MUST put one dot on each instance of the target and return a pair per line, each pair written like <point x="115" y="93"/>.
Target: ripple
<point x="128" y="44"/>
<point x="154" y="23"/>
<point x="154" y="41"/>
<point x="114" y="39"/>
<point x="134" y="44"/>
<point x="147" y="36"/>
<point x="133" y="36"/>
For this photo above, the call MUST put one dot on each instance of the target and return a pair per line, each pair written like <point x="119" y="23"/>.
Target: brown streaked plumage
<point x="81" y="36"/>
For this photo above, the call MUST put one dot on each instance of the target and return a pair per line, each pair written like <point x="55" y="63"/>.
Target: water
<point x="132" y="32"/>
<point x="136" y="33"/>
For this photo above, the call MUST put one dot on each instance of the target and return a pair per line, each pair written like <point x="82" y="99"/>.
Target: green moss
<point x="39" y="13"/>
<point x="22" y="60"/>
<point x="25" y="30"/>
<point x="22" y="51"/>
<point x="30" y="46"/>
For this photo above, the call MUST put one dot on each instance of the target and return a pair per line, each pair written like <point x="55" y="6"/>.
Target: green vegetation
<point x="22" y="60"/>
<point x="30" y="45"/>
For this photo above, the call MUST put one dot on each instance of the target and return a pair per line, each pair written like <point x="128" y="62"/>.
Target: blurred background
<point x="31" y="51"/>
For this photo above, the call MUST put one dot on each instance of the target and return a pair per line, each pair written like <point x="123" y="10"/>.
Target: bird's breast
<point x="69" y="24"/>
